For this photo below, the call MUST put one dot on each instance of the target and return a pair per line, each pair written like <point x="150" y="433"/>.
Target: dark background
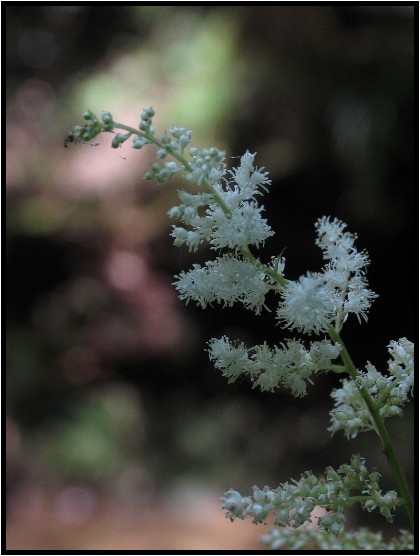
<point x="109" y="389"/>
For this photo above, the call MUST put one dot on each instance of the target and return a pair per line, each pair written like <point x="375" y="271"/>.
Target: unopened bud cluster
<point x="311" y="538"/>
<point x="291" y="504"/>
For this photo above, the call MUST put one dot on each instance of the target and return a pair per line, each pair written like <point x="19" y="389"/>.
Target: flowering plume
<point x="224" y="212"/>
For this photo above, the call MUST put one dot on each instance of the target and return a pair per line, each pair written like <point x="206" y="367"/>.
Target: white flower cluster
<point x="388" y="392"/>
<point x="308" y="305"/>
<point x="318" y="300"/>
<point x="289" y="364"/>
<point x="225" y="280"/>
<point x="228" y="216"/>
<point x="314" y="538"/>
<point x="401" y="368"/>
<point x="292" y="503"/>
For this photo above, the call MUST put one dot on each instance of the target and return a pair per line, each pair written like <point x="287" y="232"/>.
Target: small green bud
<point x="115" y="143"/>
<point x="161" y="178"/>
<point x="176" y="131"/>
<point x="89" y="115"/>
<point x="282" y="518"/>
<point x="164" y="174"/>
<point x="147" y="113"/>
<point x="138" y="143"/>
<point x="171" y="166"/>
<point x="161" y="153"/>
<point x="107" y="118"/>
<point x="88" y="134"/>
<point x="185" y="139"/>
<point x="118" y="139"/>
<point x="165" y="141"/>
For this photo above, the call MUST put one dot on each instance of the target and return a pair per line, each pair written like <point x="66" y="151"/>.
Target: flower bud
<point x="259" y="512"/>
<point x="174" y="212"/>
<point x="115" y="142"/>
<point x="176" y="131"/>
<point x="147" y="113"/>
<point x="165" y="140"/>
<point x="118" y="139"/>
<point x="138" y="143"/>
<point x="89" y="115"/>
<point x="171" y="166"/>
<point x="161" y="153"/>
<point x="107" y="118"/>
<point x="185" y="139"/>
<point x="88" y="134"/>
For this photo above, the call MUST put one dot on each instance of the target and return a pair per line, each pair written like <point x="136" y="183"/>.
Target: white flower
<point x="308" y="304"/>
<point x="226" y="280"/>
<point x="334" y="242"/>
<point x="350" y="412"/>
<point x="236" y="505"/>
<point x="345" y="270"/>
<point x="323" y="352"/>
<point x="229" y="217"/>
<point x="401" y="367"/>
<point x="243" y="227"/>
<point x="247" y="180"/>
<point x="289" y="364"/>
<point x="358" y="298"/>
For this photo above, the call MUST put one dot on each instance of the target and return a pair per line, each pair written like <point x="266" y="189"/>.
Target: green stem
<point x="352" y="500"/>
<point x="380" y="429"/>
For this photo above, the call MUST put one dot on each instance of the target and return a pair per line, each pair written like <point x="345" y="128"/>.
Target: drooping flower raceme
<point x="225" y="213"/>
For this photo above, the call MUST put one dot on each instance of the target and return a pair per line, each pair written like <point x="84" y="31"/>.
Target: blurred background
<point x="119" y="433"/>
